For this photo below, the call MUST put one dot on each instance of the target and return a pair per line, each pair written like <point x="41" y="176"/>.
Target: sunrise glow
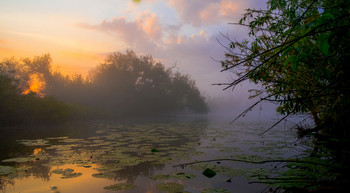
<point x="36" y="85"/>
<point x="80" y="34"/>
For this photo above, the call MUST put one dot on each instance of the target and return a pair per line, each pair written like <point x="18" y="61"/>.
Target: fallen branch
<point x="254" y="162"/>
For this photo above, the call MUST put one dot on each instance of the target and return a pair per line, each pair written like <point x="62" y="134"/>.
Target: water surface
<point x="139" y="156"/>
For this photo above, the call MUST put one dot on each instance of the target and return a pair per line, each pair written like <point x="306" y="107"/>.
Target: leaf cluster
<point x="298" y="52"/>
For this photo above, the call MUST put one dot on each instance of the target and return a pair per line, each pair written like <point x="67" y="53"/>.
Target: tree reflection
<point x="4" y="182"/>
<point x="114" y="151"/>
<point x="130" y="173"/>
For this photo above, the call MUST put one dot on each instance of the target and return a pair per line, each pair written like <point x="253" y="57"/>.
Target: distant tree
<point x="139" y="85"/>
<point x="17" y="106"/>
<point x="8" y="98"/>
<point x="122" y="86"/>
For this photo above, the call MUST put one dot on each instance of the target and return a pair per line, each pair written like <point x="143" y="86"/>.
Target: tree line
<point x="124" y="85"/>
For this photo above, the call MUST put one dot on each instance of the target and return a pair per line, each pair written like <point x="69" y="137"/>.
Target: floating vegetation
<point x="170" y="187"/>
<point x="119" y="152"/>
<point x="35" y="142"/>
<point x="15" y="172"/>
<point x="62" y="171"/>
<point x="69" y="140"/>
<point x="108" y="175"/>
<point x="215" y="190"/>
<point x="53" y="188"/>
<point x="66" y="173"/>
<point x="71" y="175"/>
<point x="209" y="173"/>
<point x="4" y="170"/>
<point x="181" y="175"/>
<point x="52" y="138"/>
<point x="249" y="173"/>
<point x="19" y="159"/>
<point x="119" y="187"/>
<point x="230" y="149"/>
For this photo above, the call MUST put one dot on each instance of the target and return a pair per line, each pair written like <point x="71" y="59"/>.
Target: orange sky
<point x="79" y="34"/>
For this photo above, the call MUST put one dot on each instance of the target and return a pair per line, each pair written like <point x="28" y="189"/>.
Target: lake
<point x="141" y="156"/>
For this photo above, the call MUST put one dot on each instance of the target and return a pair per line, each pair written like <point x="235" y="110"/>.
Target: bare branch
<point x="274" y="125"/>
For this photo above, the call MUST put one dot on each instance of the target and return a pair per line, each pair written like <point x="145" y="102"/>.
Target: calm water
<point x="139" y="156"/>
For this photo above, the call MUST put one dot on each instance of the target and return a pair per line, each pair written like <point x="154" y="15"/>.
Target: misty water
<point x="139" y="156"/>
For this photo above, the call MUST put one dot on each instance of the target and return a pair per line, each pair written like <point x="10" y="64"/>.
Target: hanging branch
<point x="274" y="125"/>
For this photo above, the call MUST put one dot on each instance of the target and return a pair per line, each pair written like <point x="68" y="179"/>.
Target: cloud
<point x="145" y="31"/>
<point x="202" y="12"/>
<point x="151" y="25"/>
<point x="193" y="53"/>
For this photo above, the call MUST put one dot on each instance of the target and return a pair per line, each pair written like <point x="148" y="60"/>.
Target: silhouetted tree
<point x="298" y="50"/>
<point x="129" y="84"/>
<point x="123" y="85"/>
<point x="19" y="107"/>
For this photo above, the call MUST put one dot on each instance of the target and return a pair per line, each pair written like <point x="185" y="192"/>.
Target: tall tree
<point x="298" y="51"/>
<point x="131" y="84"/>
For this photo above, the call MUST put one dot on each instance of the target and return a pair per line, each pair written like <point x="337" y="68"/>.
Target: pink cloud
<point x="151" y="25"/>
<point x="192" y="53"/>
<point x="197" y="13"/>
<point x="145" y="31"/>
<point x="202" y="12"/>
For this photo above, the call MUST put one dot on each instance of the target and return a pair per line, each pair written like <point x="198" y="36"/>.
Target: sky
<point x="79" y="34"/>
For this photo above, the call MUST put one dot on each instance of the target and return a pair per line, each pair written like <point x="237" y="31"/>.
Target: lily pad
<point x="67" y="173"/>
<point x="62" y="171"/>
<point x="53" y="188"/>
<point x="19" y="159"/>
<point x="34" y="142"/>
<point x="4" y="170"/>
<point x="215" y="190"/>
<point x="71" y="175"/>
<point x="209" y="173"/>
<point x="108" y="175"/>
<point x="248" y="173"/>
<point x="181" y="175"/>
<point x="119" y="187"/>
<point x="170" y="187"/>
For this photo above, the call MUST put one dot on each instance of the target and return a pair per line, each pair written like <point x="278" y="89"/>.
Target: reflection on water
<point x="91" y="157"/>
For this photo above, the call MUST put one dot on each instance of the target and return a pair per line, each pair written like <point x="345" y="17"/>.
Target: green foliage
<point x="298" y="52"/>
